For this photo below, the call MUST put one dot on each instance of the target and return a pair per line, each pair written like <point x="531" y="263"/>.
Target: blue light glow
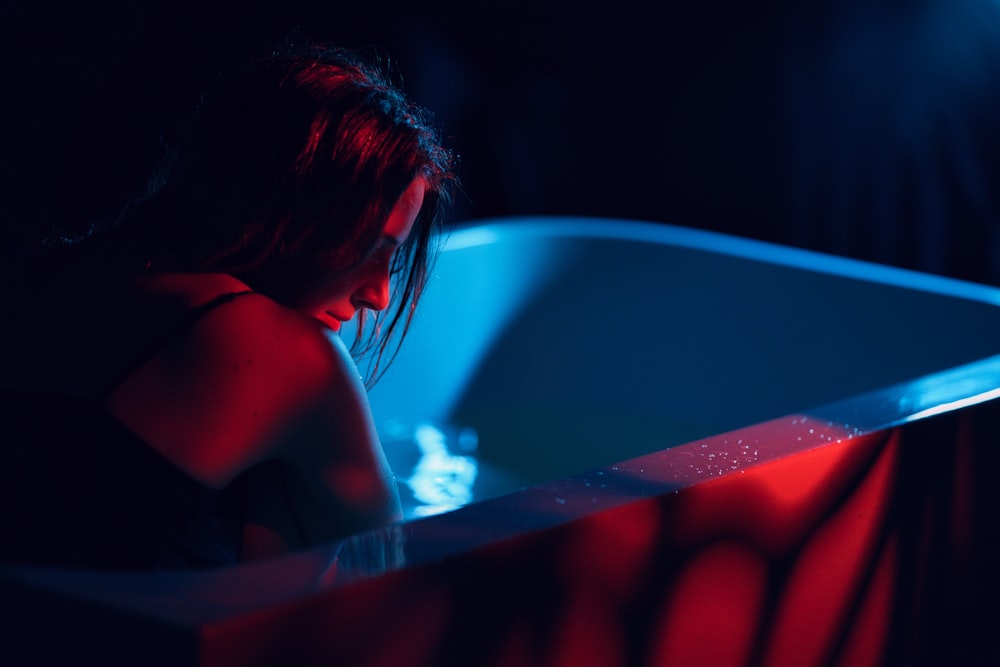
<point x="955" y="405"/>
<point x="441" y="481"/>
<point x="561" y="227"/>
<point x="951" y="390"/>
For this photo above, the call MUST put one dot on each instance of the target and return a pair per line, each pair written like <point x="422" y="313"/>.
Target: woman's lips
<point x="331" y="320"/>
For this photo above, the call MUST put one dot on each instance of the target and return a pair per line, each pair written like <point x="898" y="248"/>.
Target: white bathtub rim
<point x="490" y="230"/>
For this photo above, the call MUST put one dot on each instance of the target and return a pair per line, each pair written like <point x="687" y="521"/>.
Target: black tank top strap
<point x="187" y="321"/>
<point x="197" y="312"/>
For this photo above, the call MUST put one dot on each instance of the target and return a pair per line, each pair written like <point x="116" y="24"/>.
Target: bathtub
<point x="625" y="443"/>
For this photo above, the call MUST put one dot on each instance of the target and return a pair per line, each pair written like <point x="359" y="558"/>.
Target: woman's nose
<point x="373" y="292"/>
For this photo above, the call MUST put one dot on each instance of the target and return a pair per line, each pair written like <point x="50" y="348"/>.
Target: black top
<point x="77" y="488"/>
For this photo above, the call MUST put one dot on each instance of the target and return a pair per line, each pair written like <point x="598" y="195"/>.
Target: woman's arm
<point x="330" y="477"/>
<point x="259" y="390"/>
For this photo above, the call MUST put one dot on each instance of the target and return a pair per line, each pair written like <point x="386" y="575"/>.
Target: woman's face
<point x="366" y="285"/>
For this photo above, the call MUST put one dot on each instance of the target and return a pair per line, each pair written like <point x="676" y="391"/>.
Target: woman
<point x="177" y="394"/>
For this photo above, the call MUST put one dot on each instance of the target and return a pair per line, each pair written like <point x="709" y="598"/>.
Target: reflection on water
<point x="433" y="464"/>
<point x="440" y="467"/>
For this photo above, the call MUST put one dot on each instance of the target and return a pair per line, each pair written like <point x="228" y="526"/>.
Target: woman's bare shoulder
<point x="219" y="396"/>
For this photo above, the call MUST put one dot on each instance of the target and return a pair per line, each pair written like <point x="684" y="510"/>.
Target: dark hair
<point x="286" y="174"/>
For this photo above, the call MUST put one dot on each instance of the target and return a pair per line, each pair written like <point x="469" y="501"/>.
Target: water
<point x="441" y="467"/>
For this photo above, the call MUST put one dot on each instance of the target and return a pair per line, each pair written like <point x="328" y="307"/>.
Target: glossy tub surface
<point x="574" y="343"/>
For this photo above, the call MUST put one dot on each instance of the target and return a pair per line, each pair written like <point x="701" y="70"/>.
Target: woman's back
<point x="83" y="324"/>
<point x="81" y="490"/>
<point x="138" y="417"/>
<point x="79" y="487"/>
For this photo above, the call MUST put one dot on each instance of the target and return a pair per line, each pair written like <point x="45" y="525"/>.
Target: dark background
<point x="865" y="128"/>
